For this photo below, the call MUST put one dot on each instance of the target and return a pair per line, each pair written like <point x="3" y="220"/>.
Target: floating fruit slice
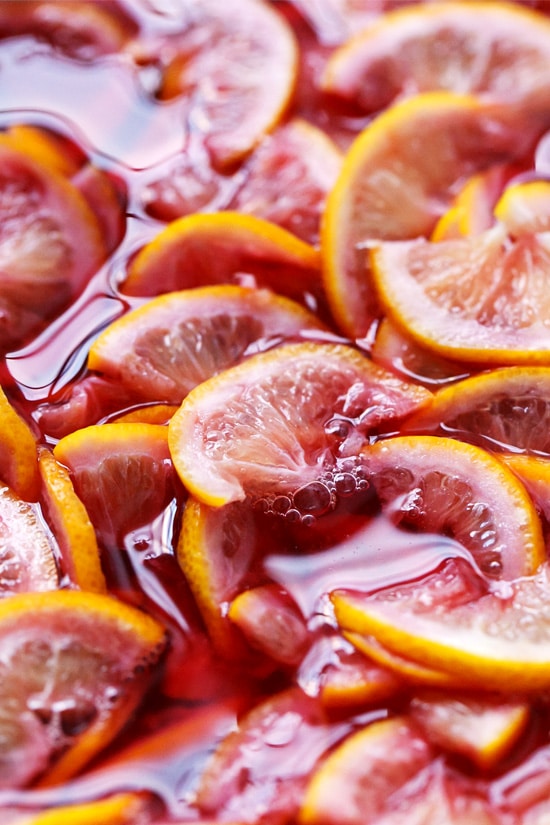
<point x="439" y="485"/>
<point x="493" y="641"/>
<point x="471" y="210"/>
<point x="484" y="730"/>
<point x="27" y="557"/>
<point x="74" y="667"/>
<point x="534" y="472"/>
<point x="106" y="462"/>
<point x="480" y="299"/>
<point x="264" y="426"/>
<point x="18" y="453"/>
<point x="44" y="147"/>
<point x="497" y="51"/>
<point x="50" y="244"/>
<point x="391" y="188"/>
<point x="222" y="65"/>
<point x="356" y="782"/>
<point x="118" y="809"/>
<point x="222" y="247"/>
<point x="525" y="207"/>
<point x="71" y="526"/>
<point x="506" y="409"/>
<point x="287" y="178"/>
<point x="147" y="414"/>
<point x="215" y="549"/>
<point x="163" y="349"/>
<point x="276" y="746"/>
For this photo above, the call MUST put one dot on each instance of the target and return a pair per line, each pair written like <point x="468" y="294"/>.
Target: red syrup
<point x="102" y="111"/>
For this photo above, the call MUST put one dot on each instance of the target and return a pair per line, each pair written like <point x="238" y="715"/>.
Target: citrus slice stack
<point x="163" y="349"/>
<point x="391" y="188"/>
<point x="221" y="66"/>
<point x="264" y="427"/>
<point x="496" y="50"/>
<point x="74" y="667"/>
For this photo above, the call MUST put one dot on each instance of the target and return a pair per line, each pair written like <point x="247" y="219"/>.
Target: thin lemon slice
<point x="223" y="63"/>
<point x="163" y="349"/>
<point x="505" y="409"/>
<point x="74" y="666"/>
<point x="72" y="527"/>
<point x="261" y="427"/>
<point x="495" y="641"/>
<point x="391" y="188"/>
<point x="355" y="783"/>
<point x="203" y="249"/>
<point x="444" y="486"/>
<point x="480" y="299"/>
<point x="495" y="50"/>
<point x="18" y="452"/>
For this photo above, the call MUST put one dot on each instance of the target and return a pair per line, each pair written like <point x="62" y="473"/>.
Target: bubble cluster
<point x="315" y="498"/>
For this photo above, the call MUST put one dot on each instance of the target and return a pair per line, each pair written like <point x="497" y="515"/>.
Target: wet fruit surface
<point x="275" y="465"/>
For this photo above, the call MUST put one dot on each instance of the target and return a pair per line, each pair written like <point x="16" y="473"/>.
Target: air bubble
<point x="293" y="515"/>
<point x="314" y="498"/>
<point x="345" y="484"/>
<point x="281" y="504"/>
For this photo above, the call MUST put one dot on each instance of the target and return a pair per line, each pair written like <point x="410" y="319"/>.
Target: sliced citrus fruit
<point x="147" y="414"/>
<point x="71" y="525"/>
<point x="534" y="471"/>
<point x="287" y="178"/>
<point x="482" y="729"/>
<point x="275" y="422"/>
<point x="344" y="678"/>
<point x="525" y="207"/>
<point x="18" y="452"/>
<point x="74" y="667"/>
<point x="163" y="349"/>
<point x="494" y="50"/>
<point x="504" y="409"/>
<point x="439" y="485"/>
<point x="107" y="461"/>
<point x="276" y="746"/>
<point x="44" y="146"/>
<point x="356" y="782"/>
<point x="391" y="188"/>
<point x="480" y="299"/>
<point x="118" y="809"/>
<point x="221" y="65"/>
<point x="271" y="623"/>
<point x="215" y="550"/>
<point x="27" y="554"/>
<point x="50" y="244"/>
<point x="493" y="641"/>
<point x="220" y="248"/>
<point x="471" y="210"/>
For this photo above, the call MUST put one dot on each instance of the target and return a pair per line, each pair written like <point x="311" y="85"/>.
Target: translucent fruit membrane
<point x="329" y="627"/>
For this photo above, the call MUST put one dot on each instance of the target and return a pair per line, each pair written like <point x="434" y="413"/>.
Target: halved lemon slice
<point x="163" y="349"/>
<point x="264" y="427"/>
<point x="74" y="666"/>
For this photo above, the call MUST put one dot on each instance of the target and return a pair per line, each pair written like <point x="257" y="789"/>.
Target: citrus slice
<point x="18" y="452"/>
<point x="443" y="486"/>
<point x="107" y="461"/>
<point x="222" y="247"/>
<point x="50" y="244"/>
<point x="391" y="188"/>
<point x="71" y="526"/>
<point x="497" y="51"/>
<point x="43" y="146"/>
<point x="534" y="472"/>
<point x="525" y="207"/>
<point x="484" y="730"/>
<point x="147" y="414"/>
<point x="163" y="349"/>
<point x="221" y="65"/>
<point x="342" y="677"/>
<point x="504" y="409"/>
<point x="265" y="426"/>
<point x="27" y="555"/>
<point x="275" y="746"/>
<point x="355" y="784"/>
<point x="215" y="550"/>
<point x="288" y="176"/>
<point x="493" y="640"/>
<point x="74" y="667"/>
<point x="471" y="210"/>
<point x="480" y="299"/>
